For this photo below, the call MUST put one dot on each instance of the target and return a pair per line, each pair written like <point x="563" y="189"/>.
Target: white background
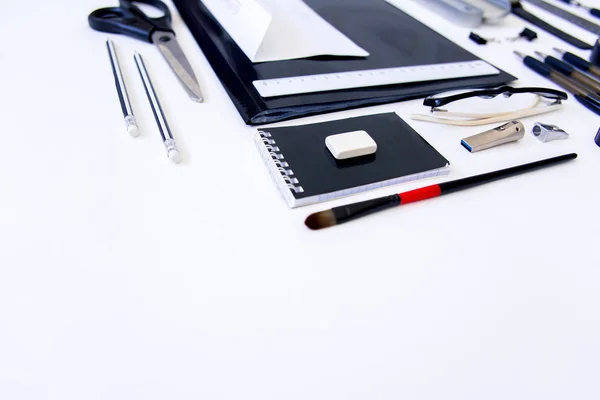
<point x="123" y="276"/>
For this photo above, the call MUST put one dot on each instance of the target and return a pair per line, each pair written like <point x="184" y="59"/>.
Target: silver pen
<point x="130" y="122"/>
<point x="159" y="115"/>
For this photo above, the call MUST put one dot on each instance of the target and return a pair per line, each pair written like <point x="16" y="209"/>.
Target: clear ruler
<point x="566" y="15"/>
<point x="375" y="77"/>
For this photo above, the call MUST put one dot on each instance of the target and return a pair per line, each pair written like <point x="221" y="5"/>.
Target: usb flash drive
<point x="509" y="132"/>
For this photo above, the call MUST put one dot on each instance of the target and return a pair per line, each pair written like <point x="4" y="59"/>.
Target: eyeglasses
<point x="466" y="102"/>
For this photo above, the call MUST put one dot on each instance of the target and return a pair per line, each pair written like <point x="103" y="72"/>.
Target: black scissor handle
<point x="122" y="21"/>
<point x="162" y="23"/>
<point x="130" y="20"/>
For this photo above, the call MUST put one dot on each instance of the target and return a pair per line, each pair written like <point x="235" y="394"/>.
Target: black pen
<point x="579" y="62"/>
<point x="594" y="11"/>
<point x="569" y="70"/>
<point x="589" y="100"/>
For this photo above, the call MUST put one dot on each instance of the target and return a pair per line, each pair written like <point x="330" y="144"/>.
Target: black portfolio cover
<point x="393" y="39"/>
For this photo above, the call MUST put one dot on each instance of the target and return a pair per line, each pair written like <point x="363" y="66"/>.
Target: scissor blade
<point x="168" y="46"/>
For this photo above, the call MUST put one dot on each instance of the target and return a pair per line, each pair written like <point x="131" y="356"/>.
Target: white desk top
<point x="125" y="277"/>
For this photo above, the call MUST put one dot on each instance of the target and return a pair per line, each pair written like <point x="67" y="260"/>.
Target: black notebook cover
<point x="306" y="172"/>
<point x="393" y="39"/>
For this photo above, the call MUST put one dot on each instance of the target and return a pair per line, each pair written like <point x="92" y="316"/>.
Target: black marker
<point x="518" y="9"/>
<point x="594" y="11"/>
<point x="589" y="100"/>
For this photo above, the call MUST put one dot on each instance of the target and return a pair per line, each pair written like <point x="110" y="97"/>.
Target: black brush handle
<point x="577" y="61"/>
<point x="592" y="98"/>
<point x="588" y="103"/>
<point x="537" y="66"/>
<point x="356" y="210"/>
<point x="559" y="65"/>
<point x="466" y="183"/>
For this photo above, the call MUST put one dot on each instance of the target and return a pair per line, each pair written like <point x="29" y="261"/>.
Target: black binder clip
<point x="526" y="34"/>
<point x="477" y="39"/>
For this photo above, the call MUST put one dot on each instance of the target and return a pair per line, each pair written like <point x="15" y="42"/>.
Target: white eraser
<point x="174" y="156"/>
<point x="350" y="144"/>
<point x="133" y="130"/>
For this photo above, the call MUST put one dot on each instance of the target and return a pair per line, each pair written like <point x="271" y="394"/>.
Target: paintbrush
<point x="566" y="69"/>
<point x="339" y="215"/>
<point x="579" y="62"/>
<point x="583" y="95"/>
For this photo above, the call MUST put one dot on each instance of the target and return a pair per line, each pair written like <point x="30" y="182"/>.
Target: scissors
<point x="128" y="19"/>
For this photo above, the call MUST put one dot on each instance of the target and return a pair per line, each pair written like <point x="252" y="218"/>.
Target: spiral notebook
<point x="305" y="172"/>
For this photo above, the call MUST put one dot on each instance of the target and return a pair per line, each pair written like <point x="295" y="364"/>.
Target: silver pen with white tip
<point x="130" y="122"/>
<point x="159" y="115"/>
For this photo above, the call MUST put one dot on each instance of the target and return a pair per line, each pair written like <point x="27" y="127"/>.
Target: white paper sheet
<point x="273" y="30"/>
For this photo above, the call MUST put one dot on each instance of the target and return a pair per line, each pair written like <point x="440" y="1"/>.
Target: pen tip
<point x="558" y="50"/>
<point x="540" y="54"/>
<point x="519" y="54"/>
<point x="174" y="156"/>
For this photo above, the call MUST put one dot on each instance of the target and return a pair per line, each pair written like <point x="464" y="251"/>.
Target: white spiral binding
<point x="281" y="166"/>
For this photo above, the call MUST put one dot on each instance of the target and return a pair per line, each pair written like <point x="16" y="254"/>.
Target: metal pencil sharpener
<point x="547" y="133"/>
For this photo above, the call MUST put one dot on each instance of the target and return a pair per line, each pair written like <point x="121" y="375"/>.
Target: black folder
<point x="393" y="39"/>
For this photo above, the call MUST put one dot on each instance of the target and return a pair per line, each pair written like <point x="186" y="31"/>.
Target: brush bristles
<point x="320" y="220"/>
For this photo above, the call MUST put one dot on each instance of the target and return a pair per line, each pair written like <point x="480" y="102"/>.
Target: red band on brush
<point x="420" y="194"/>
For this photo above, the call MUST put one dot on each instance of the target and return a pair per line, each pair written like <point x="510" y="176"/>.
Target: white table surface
<point x="123" y="276"/>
